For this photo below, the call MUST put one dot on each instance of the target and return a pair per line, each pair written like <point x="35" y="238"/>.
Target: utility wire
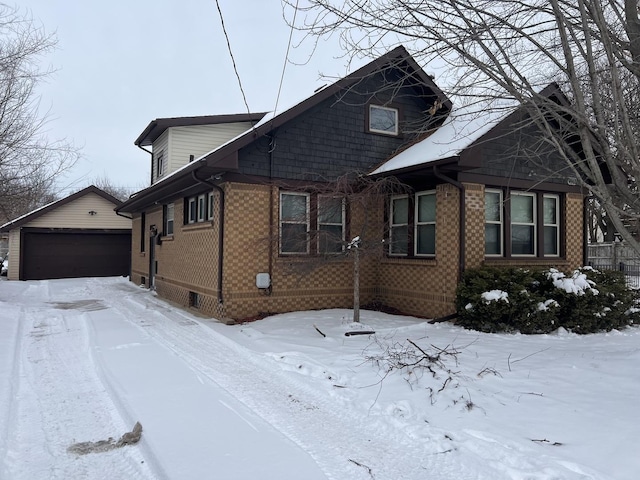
<point x="286" y="58"/>
<point x="233" y="60"/>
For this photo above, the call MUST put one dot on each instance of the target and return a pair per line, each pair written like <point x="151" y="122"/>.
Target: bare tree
<point x="29" y="161"/>
<point x="490" y="50"/>
<point x="347" y="225"/>
<point x="121" y="193"/>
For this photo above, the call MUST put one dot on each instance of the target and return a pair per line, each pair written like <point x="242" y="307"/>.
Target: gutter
<point x="462" y="219"/>
<point x="220" y="230"/>
<point x="150" y="153"/>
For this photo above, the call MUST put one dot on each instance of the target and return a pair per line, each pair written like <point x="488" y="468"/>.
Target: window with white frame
<point x="330" y="224"/>
<point x="168" y="212"/>
<point x="192" y="210"/>
<point x="532" y="227"/>
<point x="210" y="205"/>
<point x="551" y="222"/>
<point x="160" y="166"/>
<point x="425" y="224"/>
<point x="199" y="208"/>
<point x="202" y="207"/>
<point x="383" y="120"/>
<point x="523" y="224"/>
<point x="294" y="222"/>
<point x="493" y="222"/>
<point x="399" y="225"/>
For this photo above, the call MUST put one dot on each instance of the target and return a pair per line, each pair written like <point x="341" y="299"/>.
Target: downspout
<point x="150" y="153"/>
<point x="220" y="230"/>
<point x="272" y="147"/>
<point x="462" y="218"/>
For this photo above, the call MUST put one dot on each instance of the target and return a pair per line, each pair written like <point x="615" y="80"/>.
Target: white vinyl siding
<point x="14" y="255"/>
<point x="160" y="145"/>
<point x="180" y="143"/>
<point x="76" y="215"/>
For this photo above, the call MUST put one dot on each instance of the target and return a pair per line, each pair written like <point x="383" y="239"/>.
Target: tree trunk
<point x="356" y="285"/>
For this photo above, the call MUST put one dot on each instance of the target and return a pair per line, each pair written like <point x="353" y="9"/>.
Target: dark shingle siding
<point x="522" y="154"/>
<point x="330" y="139"/>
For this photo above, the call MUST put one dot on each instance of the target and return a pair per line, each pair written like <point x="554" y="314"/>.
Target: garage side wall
<point x="14" y="247"/>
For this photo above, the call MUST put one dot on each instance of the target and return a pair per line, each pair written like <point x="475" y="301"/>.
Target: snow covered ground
<point x="83" y="360"/>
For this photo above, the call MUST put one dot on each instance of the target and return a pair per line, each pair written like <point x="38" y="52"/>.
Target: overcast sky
<point x="122" y="63"/>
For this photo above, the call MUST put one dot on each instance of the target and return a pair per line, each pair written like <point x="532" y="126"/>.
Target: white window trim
<point x="201" y="207"/>
<point x="170" y="219"/>
<point x="416" y="223"/>
<point x="391" y="225"/>
<point x="385" y="132"/>
<point x="556" y="225"/>
<point x="305" y="222"/>
<point x="210" y="205"/>
<point x="534" y="225"/>
<point x="499" y="222"/>
<point x="192" y="216"/>
<point x="341" y="224"/>
<point x="160" y="164"/>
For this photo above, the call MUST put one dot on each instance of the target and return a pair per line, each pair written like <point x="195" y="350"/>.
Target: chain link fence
<point x="616" y="256"/>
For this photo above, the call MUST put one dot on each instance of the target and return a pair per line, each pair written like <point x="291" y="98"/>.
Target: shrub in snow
<point x="499" y="300"/>
<point x="512" y="299"/>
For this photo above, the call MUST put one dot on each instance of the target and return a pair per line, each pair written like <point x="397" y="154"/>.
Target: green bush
<point x="493" y="299"/>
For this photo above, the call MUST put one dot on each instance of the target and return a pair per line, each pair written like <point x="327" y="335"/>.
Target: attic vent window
<point x="383" y="120"/>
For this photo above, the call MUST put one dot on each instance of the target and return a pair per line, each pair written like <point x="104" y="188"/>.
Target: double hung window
<point x="168" y="214"/>
<point x="294" y="223"/>
<point x="521" y="224"/>
<point x="425" y="224"/>
<point x="330" y="224"/>
<point x="420" y="239"/>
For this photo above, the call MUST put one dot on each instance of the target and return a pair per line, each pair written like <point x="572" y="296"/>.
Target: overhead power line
<point x="233" y="60"/>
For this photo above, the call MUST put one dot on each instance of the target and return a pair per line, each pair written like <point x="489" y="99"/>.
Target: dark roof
<point x="159" y="125"/>
<point x="224" y="158"/>
<point x="18" y="222"/>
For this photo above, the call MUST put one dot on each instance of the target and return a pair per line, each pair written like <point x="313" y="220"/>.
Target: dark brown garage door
<point x="70" y="255"/>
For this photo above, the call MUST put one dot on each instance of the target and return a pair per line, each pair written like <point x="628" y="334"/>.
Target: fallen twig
<point x="319" y="331"/>
<point x="363" y="466"/>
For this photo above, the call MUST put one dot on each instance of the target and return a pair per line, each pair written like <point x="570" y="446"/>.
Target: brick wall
<point x="188" y="261"/>
<point x="298" y="283"/>
<point x="574" y="230"/>
<point x="426" y="287"/>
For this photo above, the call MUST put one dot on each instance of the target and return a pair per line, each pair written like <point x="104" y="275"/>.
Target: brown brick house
<point x="231" y="197"/>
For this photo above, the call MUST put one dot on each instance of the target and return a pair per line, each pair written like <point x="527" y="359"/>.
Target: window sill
<point x="410" y="261"/>
<point x="192" y="227"/>
<point x="142" y="254"/>
<point x="525" y="261"/>
<point x="167" y="238"/>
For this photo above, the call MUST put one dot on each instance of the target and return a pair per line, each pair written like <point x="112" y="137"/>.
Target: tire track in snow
<point x="59" y="400"/>
<point x="290" y="406"/>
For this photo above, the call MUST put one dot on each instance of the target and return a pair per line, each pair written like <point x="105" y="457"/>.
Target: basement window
<point x="194" y="300"/>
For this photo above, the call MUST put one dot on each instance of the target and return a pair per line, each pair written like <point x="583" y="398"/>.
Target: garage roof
<point x="17" y="222"/>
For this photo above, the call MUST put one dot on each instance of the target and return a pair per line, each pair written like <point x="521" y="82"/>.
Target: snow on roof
<point x="10" y="222"/>
<point x="462" y="127"/>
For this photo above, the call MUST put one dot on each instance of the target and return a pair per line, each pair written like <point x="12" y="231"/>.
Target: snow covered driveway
<point x="83" y="360"/>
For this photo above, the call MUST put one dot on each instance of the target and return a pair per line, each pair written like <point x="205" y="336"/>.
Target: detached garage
<point x="78" y="236"/>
